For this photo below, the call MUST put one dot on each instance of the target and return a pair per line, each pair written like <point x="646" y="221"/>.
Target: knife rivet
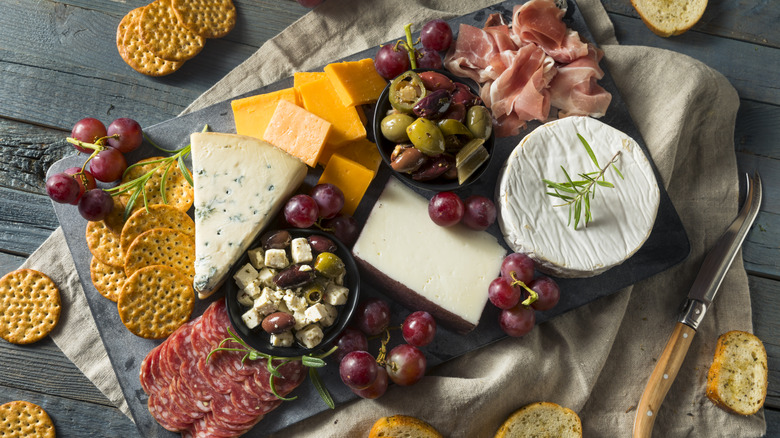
<point x="697" y="311"/>
<point x="685" y="335"/>
<point x="649" y="413"/>
<point x="666" y="376"/>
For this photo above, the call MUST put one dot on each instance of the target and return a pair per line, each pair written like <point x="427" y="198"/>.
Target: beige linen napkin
<point x="595" y="359"/>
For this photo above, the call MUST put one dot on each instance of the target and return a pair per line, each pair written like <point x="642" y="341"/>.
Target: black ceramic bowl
<point x="386" y="146"/>
<point x="259" y="339"/>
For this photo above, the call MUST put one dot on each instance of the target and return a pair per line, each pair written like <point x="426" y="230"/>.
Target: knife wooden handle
<point x="661" y="379"/>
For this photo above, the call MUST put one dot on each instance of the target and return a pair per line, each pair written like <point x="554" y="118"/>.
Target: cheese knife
<point x="700" y="298"/>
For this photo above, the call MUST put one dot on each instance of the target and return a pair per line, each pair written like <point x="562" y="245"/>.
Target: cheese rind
<point x="445" y="271"/>
<point x="240" y="184"/>
<point x="535" y="223"/>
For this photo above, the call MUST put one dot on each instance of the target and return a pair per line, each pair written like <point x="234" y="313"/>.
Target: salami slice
<point x="192" y="377"/>
<point x="255" y="389"/>
<point x="208" y="427"/>
<point x="148" y="382"/>
<point x="247" y="402"/>
<point x="226" y="412"/>
<point x="201" y="402"/>
<point x="292" y="375"/>
<point x="160" y="407"/>
<point x="183" y="404"/>
<point x="214" y="377"/>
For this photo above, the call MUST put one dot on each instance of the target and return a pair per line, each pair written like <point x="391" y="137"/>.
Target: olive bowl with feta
<point x="293" y="292"/>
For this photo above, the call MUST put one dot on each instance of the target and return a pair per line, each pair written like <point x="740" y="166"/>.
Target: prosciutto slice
<point x="540" y="22"/>
<point x="574" y="89"/>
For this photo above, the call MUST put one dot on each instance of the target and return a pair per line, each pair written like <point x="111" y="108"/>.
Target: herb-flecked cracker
<point x="162" y="246"/>
<point x="155" y="301"/>
<point x="165" y="36"/>
<point x="29" y="306"/>
<point x="156" y="216"/>
<point x="22" y="419"/>
<point x="108" y="280"/>
<point x="104" y="244"/>
<point x="207" y="18"/>
<point x="179" y="193"/>
<point x="133" y="51"/>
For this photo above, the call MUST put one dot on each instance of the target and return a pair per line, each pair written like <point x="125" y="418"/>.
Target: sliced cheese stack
<point x="240" y="184"/>
<point x="535" y="223"/>
<point x="444" y="271"/>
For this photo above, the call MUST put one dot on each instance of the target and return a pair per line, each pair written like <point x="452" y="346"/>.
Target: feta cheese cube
<point x="305" y="268"/>
<point x="251" y="318"/>
<point x="264" y="305"/>
<point x="310" y="336"/>
<point x="316" y="312"/>
<point x="330" y="315"/>
<point x="257" y="257"/>
<point x="300" y="320"/>
<point x="245" y="275"/>
<point x="276" y="258"/>
<point x="253" y="289"/>
<point x="244" y="299"/>
<point x="281" y="306"/>
<point x="278" y="295"/>
<point x="266" y="277"/>
<point x="301" y="250"/>
<point x="335" y="295"/>
<point x="295" y="302"/>
<point x="283" y="339"/>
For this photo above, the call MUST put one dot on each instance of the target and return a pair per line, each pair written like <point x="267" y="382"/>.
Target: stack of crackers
<point x="145" y="264"/>
<point x="158" y="38"/>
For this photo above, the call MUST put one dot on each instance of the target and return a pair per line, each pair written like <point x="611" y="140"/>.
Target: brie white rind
<point x="534" y="223"/>
<point x="240" y="184"/>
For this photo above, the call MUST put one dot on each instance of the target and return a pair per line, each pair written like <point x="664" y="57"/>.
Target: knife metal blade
<point x="700" y="297"/>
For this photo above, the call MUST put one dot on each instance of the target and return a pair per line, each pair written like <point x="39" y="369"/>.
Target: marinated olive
<point x="434" y="105"/>
<point x="457" y="112"/>
<point x="329" y="265"/>
<point x="313" y="293"/>
<point x="454" y="127"/>
<point x="436" y="81"/>
<point x="394" y="127"/>
<point x="278" y="322"/>
<point x="405" y="90"/>
<point x="426" y="136"/>
<point x="277" y="240"/>
<point x="434" y="168"/>
<point x="407" y="158"/>
<point x="294" y="276"/>
<point x="321" y="244"/>
<point x="463" y="95"/>
<point x="479" y="122"/>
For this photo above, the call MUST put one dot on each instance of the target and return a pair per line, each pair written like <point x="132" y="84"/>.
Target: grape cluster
<point x="77" y="185"/>
<point x="321" y="207"/>
<point x="404" y="365"/>
<point x="518" y="294"/>
<point x="476" y="212"/>
<point x="393" y="59"/>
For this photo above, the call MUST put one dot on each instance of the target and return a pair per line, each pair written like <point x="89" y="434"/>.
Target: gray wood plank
<point x="9" y="262"/>
<point x="765" y="301"/>
<point x="26" y="220"/>
<point x="772" y="422"/>
<point x="27" y="152"/>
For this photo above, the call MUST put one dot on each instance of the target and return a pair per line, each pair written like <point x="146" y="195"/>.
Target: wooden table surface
<point x="58" y="64"/>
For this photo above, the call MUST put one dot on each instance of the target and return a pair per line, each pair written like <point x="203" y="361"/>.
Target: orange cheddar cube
<point x="253" y="113"/>
<point x="297" y="131"/>
<point x="320" y="98"/>
<point x="363" y="152"/>
<point x="356" y="82"/>
<point x="352" y="178"/>
<point x="304" y="77"/>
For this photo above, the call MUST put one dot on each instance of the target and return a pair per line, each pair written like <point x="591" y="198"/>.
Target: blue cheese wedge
<point x="240" y="184"/>
<point x="537" y="224"/>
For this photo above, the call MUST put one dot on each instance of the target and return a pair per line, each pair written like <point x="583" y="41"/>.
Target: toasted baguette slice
<point x="669" y="17"/>
<point x="541" y="419"/>
<point x="738" y="378"/>
<point x="402" y="426"/>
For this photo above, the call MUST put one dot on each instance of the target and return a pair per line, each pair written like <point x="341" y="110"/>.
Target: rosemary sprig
<point x="578" y="194"/>
<point x="310" y="361"/>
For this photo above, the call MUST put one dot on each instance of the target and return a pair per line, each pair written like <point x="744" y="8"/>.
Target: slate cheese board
<point x="667" y="245"/>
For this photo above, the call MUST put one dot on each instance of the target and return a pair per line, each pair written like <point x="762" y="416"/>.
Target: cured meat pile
<point x="218" y="398"/>
<point x="530" y="67"/>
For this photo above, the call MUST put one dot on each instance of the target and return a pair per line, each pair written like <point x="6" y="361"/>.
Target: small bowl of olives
<point x="433" y="130"/>
<point x="277" y="307"/>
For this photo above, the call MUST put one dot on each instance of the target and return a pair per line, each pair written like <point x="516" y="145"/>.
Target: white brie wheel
<point x="536" y="223"/>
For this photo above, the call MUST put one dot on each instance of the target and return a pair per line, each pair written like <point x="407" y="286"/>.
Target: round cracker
<point x="207" y="18"/>
<point x="162" y="246"/>
<point x="155" y="301"/>
<point x="29" y="306"/>
<point x="156" y="216"/>
<point x="165" y="36"/>
<point x="104" y="244"/>
<point x="21" y="419"/>
<point x="134" y="52"/>
<point x="178" y="192"/>
<point x="108" y="280"/>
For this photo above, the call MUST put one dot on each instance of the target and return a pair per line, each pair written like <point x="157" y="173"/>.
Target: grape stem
<point x="382" y="355"/>
<point x="532" y="295"/>
<point x="410" y="46"/>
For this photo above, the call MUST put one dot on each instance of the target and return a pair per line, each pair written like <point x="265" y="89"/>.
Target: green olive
<point x="394" y="127"/>
<point x="426" y="136"/>
<point x="454" y="127"/>
<point x="329" y="265"/>
<point x="313" y="293"/>
<point x="479" y="122"/>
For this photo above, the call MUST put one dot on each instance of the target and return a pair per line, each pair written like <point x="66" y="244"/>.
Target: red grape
<point x="373" y="316"/>
<point x="95" y="205"/>
<point x="376" y="389"/>
<point x="548" y="290"/>
<point x="436" y="35"/>
<point x="445" y="209"/>
<point x="390" y="63"/>
<point x="430" y="59"/>
<point x="351" y="339"/>
<point x="502" y="294"/>
<point x="406" y="365"/>
<point x="419" y="329"/>
<point x="480" y="212"/>
<point x="329" y="199"/>
<point x="84" y="178"/>
<point x="130" y="135"/>
<point x="521" y="265"/>
<point x="345" y="229"/>
<point x="358" y="369"/>
<point x="108" y="165"/>
<point x="88" y="130"/>
<point x="301" y="211"/>
<point x="517" y="321"/>
<point x="62" y="188"/>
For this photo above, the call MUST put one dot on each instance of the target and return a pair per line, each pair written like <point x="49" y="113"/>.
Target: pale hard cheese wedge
<point x="240" y="184"/>
<point x="537" y="224"/>
<point x="444" y="271"/>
